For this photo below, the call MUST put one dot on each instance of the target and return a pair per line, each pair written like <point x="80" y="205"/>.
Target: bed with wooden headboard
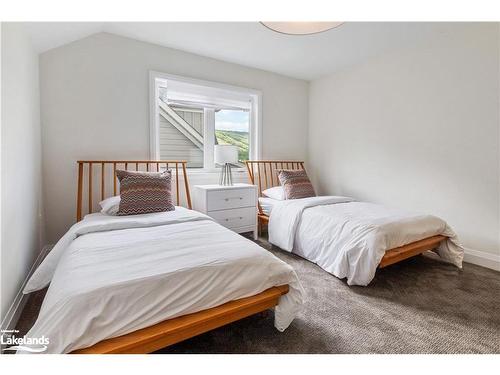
<point x="96" y="181"/>
<point x="99" y="176"/>
<point x="264" y="174"/>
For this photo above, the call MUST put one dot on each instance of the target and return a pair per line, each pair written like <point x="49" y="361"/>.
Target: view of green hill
<point x="240" y="139"/>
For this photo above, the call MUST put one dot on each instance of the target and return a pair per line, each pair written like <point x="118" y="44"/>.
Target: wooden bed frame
<point x="263" y="173"/>
<point x="94" y="174"/>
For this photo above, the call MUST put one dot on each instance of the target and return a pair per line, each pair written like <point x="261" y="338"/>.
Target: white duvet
<point x="349" y="238"/>
<point x="113" y="275"/>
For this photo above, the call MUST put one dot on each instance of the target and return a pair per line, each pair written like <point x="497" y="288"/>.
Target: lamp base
<point x="226" y="176"/>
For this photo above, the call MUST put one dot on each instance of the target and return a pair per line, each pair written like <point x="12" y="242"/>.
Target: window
<point x="232" y="127"/>
<point x="189" y="117"/>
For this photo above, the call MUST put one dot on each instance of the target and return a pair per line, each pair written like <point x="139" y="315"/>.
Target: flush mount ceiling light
<point x="301" y="28"/>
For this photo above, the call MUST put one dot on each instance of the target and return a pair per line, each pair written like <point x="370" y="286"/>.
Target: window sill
<point x="214" y="170"/>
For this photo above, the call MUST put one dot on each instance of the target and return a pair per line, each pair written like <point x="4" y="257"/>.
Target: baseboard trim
<point x="14" y="312"/>
<point x="482" y="258"/>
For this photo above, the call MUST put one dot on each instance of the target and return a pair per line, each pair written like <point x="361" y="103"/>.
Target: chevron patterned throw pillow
<point x="296" y="184"/>
<point x="145" y="192"/>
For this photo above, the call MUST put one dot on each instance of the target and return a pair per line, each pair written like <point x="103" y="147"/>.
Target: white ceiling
<point x="252" y="44"/>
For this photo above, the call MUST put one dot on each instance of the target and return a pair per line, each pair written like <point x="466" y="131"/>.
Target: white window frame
<point x="255" y="130"/>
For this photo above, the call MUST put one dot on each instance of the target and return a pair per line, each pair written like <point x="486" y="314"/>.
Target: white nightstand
<point x="234" y="207"/>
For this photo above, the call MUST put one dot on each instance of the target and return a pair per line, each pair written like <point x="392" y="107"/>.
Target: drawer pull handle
<point x="234" y="218"/>
<point x="227" y="199"/>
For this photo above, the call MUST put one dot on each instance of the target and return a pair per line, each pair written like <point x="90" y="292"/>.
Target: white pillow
<point x="276" y="192"/>
<point x="110" y="206"/>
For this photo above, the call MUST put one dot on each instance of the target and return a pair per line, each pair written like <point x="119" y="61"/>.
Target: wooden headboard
<point x="101" y="174"/>
<point x="264" y="173"/>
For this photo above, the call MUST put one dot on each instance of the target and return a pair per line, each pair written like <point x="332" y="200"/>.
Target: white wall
<point x="95" y="104"/>
<point x="417" y="129"/>
<point x="22" y="224"/>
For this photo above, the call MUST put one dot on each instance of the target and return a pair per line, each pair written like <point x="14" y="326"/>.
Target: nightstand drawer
<point x="238" y="217"/>
<point x="234" y="198"/>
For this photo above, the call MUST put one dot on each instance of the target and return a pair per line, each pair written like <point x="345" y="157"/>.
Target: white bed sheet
<point x="267" y="204"/>
<point x="117" y="275"/>
<point x="349" y="238"/>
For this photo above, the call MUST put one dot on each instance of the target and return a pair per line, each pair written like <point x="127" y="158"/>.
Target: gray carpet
<point x="421" y="305"/>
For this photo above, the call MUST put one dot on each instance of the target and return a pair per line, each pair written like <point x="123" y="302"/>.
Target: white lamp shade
<point x="301" y="28"/>
<point x="225" y="154"/>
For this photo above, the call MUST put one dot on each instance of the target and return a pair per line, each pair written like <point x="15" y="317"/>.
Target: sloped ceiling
<point x="250" y="43"/>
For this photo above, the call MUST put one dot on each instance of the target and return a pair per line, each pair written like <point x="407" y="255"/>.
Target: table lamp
<point x="225" y="155"/>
